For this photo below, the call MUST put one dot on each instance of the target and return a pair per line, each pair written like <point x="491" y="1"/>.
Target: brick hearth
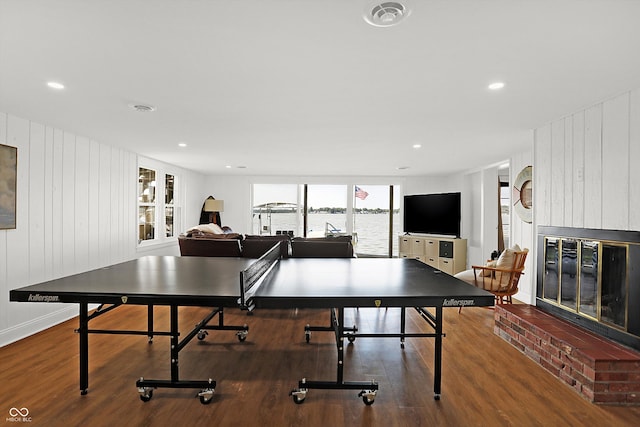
<point x="600" y="370"/>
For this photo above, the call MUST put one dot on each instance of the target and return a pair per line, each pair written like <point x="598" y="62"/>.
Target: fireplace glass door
<point x="569" y="275"/>
<point x="589" y="278"/>
<point x="614" y="285"/>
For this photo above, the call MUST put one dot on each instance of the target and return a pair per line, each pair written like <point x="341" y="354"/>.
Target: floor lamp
<point x="212" y="206"/>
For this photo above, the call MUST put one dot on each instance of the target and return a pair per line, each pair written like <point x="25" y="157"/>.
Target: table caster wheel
<point x="298" y="395"/>
<point x="368" y="396"/>
<point x="206" y="395"/>
<point x="146" y="393"/>
<point x="436" y="397"/>
<point x="202" y="334"/>
<point x="242" y="335"/>
<point x="351" y="338"/>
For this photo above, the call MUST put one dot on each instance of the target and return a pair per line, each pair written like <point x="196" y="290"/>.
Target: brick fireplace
<point x="585" y="327"/>
<point x="591" y="277"/>
<point x="600" y="370"/>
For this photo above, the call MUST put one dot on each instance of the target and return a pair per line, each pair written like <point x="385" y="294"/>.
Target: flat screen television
<point x="432" y="214"/>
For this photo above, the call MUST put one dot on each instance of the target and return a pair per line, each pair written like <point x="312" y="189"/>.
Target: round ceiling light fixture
<point x="386" y="13"/>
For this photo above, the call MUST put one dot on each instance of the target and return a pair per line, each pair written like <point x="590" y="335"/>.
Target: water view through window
<point x="361" y="211"/>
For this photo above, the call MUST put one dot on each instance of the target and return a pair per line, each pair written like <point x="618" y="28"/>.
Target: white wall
<point x="586" y="172"/>
<point x="76" y="211"/>
<point x="586" y="164"/>
<point x="522" y="233"/>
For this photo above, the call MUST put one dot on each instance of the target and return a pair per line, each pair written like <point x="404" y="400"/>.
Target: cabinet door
<point x="431" y="252"/>
<point x="417" y="247"/>
<point x="446" y="265"/>
<point x="405" y="247"/>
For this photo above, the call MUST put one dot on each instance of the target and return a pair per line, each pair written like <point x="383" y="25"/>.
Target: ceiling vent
<point x="141" y="108"/>
<point x="385" y="14"/>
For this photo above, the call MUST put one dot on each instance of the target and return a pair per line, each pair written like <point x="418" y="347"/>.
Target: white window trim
<point x="161" y="170"/>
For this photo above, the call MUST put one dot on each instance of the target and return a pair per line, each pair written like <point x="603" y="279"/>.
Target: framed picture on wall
<point x="8" y="177"/>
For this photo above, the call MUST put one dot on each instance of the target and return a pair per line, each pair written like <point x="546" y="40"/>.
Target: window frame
<point x="160" y="204"/>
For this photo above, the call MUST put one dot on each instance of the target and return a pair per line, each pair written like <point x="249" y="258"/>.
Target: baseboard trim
<point x="23" y="330"/>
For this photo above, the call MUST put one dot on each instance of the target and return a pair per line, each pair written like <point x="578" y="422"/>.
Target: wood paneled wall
<point x="76" y="210"/>
<point x="586" y="167"/>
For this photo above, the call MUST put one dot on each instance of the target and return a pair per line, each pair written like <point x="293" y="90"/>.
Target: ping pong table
<point x="266" y="283"/>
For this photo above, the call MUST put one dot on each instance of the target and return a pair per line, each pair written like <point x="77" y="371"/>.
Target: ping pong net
<point x="253" y="276"/>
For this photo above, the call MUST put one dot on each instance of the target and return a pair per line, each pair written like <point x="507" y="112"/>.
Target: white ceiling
<point x="306" y="87"/>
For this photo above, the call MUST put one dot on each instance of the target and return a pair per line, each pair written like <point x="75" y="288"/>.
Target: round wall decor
<point x="523" y="195"/>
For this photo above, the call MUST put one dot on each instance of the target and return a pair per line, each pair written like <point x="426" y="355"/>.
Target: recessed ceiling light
<point x="182" y="144"/>
<point x="141" y="108"/>
<point x="496" y="85"/>
<point x="417" y="145"/>
<point x="55" y="85"/>
<point x="228" y="166"/>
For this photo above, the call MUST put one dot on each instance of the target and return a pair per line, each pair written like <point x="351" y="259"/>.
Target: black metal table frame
<point x="368" y="389"/>
<point x="146" y="386"/>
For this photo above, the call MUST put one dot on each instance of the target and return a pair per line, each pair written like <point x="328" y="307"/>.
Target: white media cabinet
<point x="444" y="253"/>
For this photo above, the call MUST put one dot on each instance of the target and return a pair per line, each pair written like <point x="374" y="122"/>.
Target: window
<point x="156" y="213"/>
<point x="169" y="181"/>
<point x="146" y="204"/>
<point x="505" y="209"/>
<point x="326" y="210"/>
<point x="276" y="209"/>
<point x="374" y="220"/>
<point x="365" y="212"/>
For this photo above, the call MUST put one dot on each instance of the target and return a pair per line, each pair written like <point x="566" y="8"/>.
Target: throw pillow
<point x="208" y="228"/>
<point x="487" y="273"/>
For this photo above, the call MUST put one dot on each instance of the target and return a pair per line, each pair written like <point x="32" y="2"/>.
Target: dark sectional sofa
<point x="252" y="246"/>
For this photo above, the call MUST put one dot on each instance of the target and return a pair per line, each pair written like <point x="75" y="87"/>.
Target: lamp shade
<point x="213" y="205"/>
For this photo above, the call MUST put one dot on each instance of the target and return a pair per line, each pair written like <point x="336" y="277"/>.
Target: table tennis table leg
<point x="437" y="374"/>
<point x="348" y="332"/>
<point x="368" y="388"/>
<point x="403" y="323"/>
<point x="83" y="334"/>
<point x="150" y="323"/>
<point x="145" y="387"/>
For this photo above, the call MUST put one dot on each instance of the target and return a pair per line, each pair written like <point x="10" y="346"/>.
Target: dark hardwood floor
<point x="485" y="381"/>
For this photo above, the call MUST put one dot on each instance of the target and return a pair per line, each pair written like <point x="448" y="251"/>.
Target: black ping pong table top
<point x="157" y="280"/>
<point x="363" y="282"/>
<point x="294" y="282"/>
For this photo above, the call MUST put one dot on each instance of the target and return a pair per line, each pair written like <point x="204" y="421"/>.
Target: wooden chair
<point x="501" y="280"/>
